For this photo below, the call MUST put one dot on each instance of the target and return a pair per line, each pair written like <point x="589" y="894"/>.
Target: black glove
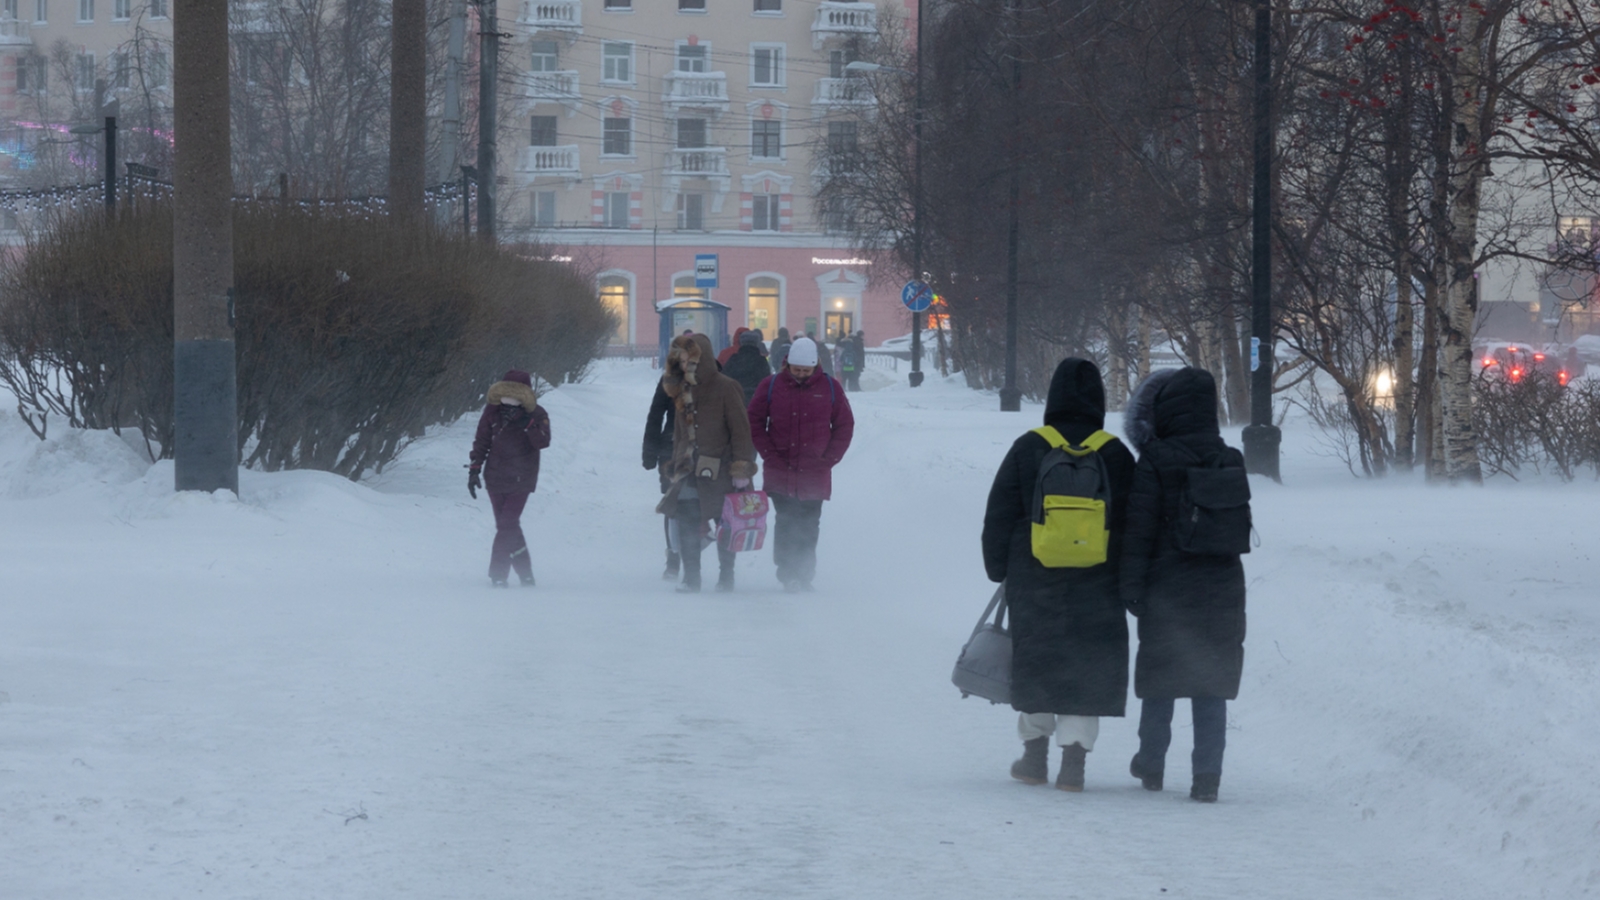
<point x="473" y="482"/>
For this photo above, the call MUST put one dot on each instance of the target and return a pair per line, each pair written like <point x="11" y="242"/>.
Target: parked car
<point x="1514" y="361"/>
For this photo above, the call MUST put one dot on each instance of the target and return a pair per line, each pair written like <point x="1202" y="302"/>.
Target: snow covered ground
<point x="311" y="691"/>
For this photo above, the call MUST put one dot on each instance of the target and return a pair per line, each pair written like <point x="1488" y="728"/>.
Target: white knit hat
<point x="803" y="352"/>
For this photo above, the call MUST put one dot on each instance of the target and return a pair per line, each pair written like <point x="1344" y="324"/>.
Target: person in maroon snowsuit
<point x="801" y="425"/>
<point x="511" y="432"/>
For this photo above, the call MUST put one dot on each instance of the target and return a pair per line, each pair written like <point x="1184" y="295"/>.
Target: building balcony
<point x="14" y="32"/>
<point x="552" y="15"/>
<point x="843" y="92"/>
<point x="698" y="162"/>
<point x="552" y="87"/>
<point x="697" y="90"/>
<point x="550" y="161"/>
<point x="836" y="19"/>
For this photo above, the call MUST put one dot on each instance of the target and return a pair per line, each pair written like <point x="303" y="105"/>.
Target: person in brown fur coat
<point x="712" y="454"/>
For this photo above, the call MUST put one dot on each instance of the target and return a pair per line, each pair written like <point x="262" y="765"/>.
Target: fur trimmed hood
<point x="1170" y="402"/>
<point x="685" y="356"/>
<point x="515" y="390"/>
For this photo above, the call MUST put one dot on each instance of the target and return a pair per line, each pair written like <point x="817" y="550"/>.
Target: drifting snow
<point x="310" y="690"/>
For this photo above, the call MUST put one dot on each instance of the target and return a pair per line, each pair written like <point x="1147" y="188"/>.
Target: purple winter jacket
<point x="509" y="439"/>
<point x="801" y="432"/>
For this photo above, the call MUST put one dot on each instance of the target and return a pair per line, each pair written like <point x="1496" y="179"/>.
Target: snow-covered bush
<point x="1538" y="423"/>
<point x="354" y="333"/>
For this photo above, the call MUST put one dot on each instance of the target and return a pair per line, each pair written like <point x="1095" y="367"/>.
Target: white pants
<point x="1068" y="730"/>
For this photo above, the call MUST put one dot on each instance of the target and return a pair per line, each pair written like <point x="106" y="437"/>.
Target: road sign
<point x="916" y="295"/>
<point x="705" y="270"/>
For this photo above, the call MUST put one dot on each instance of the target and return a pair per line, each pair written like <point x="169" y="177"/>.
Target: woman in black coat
<point x="657" y="453"/>
<point x="1190" y="607"/>
<point x="1069" y="630"/>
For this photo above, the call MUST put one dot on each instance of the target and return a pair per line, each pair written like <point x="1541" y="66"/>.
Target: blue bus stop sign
<point x="916" y="295"/>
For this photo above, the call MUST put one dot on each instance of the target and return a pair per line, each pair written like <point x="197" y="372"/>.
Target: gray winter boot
<point x="1070" y="778"/>
<point x="1034" y="766"/>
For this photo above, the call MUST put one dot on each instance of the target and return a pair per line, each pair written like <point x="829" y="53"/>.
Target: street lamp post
<point x="1261" y="437"/>
<point x="108" y="160"/>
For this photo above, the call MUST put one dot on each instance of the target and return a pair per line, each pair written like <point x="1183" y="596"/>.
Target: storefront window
<point x="761" y="301"/>
<point x="614" y="297"/>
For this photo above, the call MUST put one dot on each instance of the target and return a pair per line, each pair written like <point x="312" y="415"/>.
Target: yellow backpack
<point x="1071" y="502"/>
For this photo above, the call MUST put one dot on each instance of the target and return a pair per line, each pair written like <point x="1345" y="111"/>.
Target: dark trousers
<point x="1210" y="734"/>
<point x="510" y="548"/>
<point x="692" y="529"/>
<point x="794" y="537"/>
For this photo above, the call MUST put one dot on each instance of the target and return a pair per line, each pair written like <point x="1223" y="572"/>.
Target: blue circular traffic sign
<point x="916" y="295"/>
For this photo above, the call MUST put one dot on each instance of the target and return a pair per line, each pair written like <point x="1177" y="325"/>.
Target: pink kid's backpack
<point x="744" y="521"/>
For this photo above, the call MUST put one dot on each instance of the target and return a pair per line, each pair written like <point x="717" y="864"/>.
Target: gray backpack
<point x="984" y="667"/>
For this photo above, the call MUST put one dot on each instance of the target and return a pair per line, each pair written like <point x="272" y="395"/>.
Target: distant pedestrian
<point x="824" y="355"/>
<point x="801" y="423"/>
<point x="732" y="348"/>
<point x="1190" y="605"/>
<point x="1069" y="630"/>
<point x="852" y="359"/>
<point x="658" y="455"/>
<point x="780" y="351"/>
<point x="746" y="365"/>
<point x="511" y="431"/>
<point x="711" y="452"/>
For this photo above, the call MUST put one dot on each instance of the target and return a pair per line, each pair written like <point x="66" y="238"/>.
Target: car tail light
<point x="1538" y="357"/>
<point x="1563" y="376"/>
<point x="1490" y="361"/>
<point x="1516" y="374"/>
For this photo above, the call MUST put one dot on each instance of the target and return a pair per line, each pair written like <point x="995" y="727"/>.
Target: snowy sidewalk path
<point x="313" y="693"/>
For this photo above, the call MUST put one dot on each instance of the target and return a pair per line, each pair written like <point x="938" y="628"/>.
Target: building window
<point x="546" y="56"/>
<point x="616" y="209"/>
<point x="691" y="133"/>
<point x="24" y="63"/>
<point x="543" y="208"/>
<point x="766" y="69"/>
<point x="122" y="70"/>
<point x="769" y="6"/>
<point x="838" y="59"/>
<point x="837" y="217"/>
<point x="158" y="9"/>
<point x="157" y="69"/>
<point x="764" y="212"/>
<point x="618" y="58"/>
<point x="85" y="10"/>
<point x="121" y="10"/>
<point x="766" y="138"/>
<point x="620" y="5"/>
<point x="691" y="57"/>
<point x="691" y="5"/>
<point x="614" y="297"/>
<point x="8" y="9"/>
<point x="762" y="296"/>
<point x="618" y="140"/>
<point x="842" y="147"/>
<point x="41" y="11"/>
<point x="691" y="212"/>
<point x="544" y="132"/>
<point x="83" y="72"/>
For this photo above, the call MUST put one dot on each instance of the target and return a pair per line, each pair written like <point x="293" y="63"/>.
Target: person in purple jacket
<point x="801" y="425"/>
<point x="511" y="432"/>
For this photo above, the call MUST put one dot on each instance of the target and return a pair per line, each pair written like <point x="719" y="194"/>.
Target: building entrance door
<point x="836" y="325"/>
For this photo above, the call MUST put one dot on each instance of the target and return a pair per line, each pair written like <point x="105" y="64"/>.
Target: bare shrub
<point x="1537" y="423"/>
<point x="355" y="332"/>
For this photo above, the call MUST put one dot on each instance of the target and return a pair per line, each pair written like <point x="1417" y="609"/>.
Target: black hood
<point x="1170" y="403"/>
<point x="1076" y="394"/>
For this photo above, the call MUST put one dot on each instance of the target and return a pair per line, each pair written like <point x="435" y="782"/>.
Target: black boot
<point x="1070" y="778"/>
<point x="1034" y="766"/>
<point x="1150" y="778"/>
<point x="1204" y="788"/>
<point x="671" y="570"/>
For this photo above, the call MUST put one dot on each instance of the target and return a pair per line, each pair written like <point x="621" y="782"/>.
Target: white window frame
<point x="611" y="201"/>
<point x="9" y="9"/>
<point x="783" y="300"/>
<point x="41" y="12"/>
<point x="677" y="57"/>
<point x="683" y="210"/>
<point x="158" y="69"/>
<point x="159" y="9"/>
<point x="774" y="203"/>
<point x="121" y="10"/>
<point x="632" y="281"/>
<point x="79" y="82"/>
<point x="534" y="54"/>
<point x="535" y="198"/>
<point x="607" y="58"/>
<point x="622" y="6"/>
<point x="691" y="11"/>
<point x="779" y="65"/>
<point x="766" y="12"/>
<point x="83" y="7"/>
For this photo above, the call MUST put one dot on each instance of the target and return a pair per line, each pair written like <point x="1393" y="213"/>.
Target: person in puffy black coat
<point x="1069" y="629"/>
<point x="657" y="453"/>
<point x="747" y="366"/>
<point x="1190" y="607"/>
